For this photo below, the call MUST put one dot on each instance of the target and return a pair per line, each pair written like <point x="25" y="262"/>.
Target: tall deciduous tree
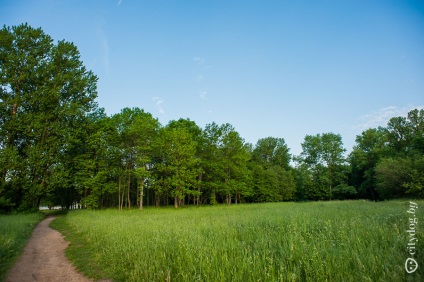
<point x="196" y="135"/>
<point x="178" y="167"/>
<point x="211" y="159"/>
<point x="137" y="132"/>
<point x="271" y="176"/>
<point x="401" y="173"/>
<point x="332" y="153"/>
<point x="386" y="162"/>
<point x="272" y="151"/>
<point x="370" y="148"/>
<point x="225" y="159"/>
<point x="44" y="89"/>
<point x="323" y="156"/>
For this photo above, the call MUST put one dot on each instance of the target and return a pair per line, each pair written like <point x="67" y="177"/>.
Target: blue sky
<point x="270" y="68"/>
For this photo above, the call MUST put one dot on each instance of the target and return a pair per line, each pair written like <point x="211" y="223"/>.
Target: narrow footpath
<point x="44" y="258"/>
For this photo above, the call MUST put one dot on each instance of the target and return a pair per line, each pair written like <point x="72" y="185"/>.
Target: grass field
<point x="15" y="231"/>
<point x="317" y="241"/>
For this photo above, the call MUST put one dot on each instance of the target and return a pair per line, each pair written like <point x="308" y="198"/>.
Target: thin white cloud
<point x="159" y="104"/>
<point x="104" y="47"/>
<point x="382" y="116"/>
<point x="119" y="2"/>
<point x="106" y="54"/>
<point x="203" y="95"/>
<point x="199" y="61"/>
<point x="199" y="77"/>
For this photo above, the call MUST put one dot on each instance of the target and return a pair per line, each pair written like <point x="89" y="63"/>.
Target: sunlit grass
<point x="15" y="231"/>
<point x="319" y="241"/>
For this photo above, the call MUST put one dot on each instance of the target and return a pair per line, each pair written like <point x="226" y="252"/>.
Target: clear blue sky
<point x="269" y="68"/>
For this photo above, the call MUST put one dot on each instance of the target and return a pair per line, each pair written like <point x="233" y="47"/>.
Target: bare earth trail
<point x="44" y="258"/>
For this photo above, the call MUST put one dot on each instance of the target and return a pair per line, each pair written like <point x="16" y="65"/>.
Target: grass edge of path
<point x="79" y="252"/>
<point x="23" y="234"/>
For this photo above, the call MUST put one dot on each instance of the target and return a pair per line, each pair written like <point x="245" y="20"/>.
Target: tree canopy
<point x="57" y="147"/>
<point x="46" y="92"/>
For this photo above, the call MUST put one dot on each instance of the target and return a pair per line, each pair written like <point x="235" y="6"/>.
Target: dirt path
<point x="44" y="258"/>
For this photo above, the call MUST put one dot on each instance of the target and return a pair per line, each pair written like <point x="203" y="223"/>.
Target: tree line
<point x="58" y="147"/>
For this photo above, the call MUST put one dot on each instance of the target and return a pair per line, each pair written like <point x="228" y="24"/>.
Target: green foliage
<point x="273" y="184"/>
<point x="44" y="90"/>
<point x="344" y="191"/>
<point x="369" y="149"/>
<point x="387" y="162"/>
<point x="179" y="162"/>
<point x="133" y="145"/>
<point x="272" y="179"/>
<point x="390" y="175"/>
<point x="414" y="186"/>
<point x="226" y="176"/>
<point x="400" y="177"/>
<point x="406" y="134"/>
<point x="319" y="241"/>
<point x="15" y="231"/>
<point x="57" y="147"/>
<point x="322" y="164"/>
<point x="272" y="151"/>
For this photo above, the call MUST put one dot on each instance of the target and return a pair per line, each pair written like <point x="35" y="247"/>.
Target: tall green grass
<point x="318" y="241"/>
<point x="15" y="231"/>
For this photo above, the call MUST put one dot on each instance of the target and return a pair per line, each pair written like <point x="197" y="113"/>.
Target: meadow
<point x="315" y="241"/>
<point x="15" y="231"/>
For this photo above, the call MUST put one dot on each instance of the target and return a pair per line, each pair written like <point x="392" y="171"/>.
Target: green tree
<point x="211" y="161"/>
<point x="396" y="149"/>
<point x="344" y="191"/>
<point x="333" y="156"/>
<point x="224" y="163"/>
<point x="390" y="176"/>
<point x="44" y="89"/>
<point x="406" y="134"/>
<point x="272" y="178"/>
<point x="416" y="125"/>
<point x="234" y="157"/>
<point x="272" y="151"/>
<point x="323" y="156"/>
<point x="178" y="167"/>
<point x="414" y="186"/>
<point x="370" y="148"/>
<point x="197" y="136"/>
<point x="90" y="160"/>
<point x="137" y="132"/>
<point x="400" y="177"/>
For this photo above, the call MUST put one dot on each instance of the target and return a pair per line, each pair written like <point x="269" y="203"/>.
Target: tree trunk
<point x="213" y="198"/>
<point x="331" y="183"/>
<point x="157" y="196"/>
<point x="198" y="188"/>
<point x="119" y="192"/>
<point x="176" y="202"/>
<point x="85" y="196"/>
<point x="228" y="199"/>
<point x="147" y="197"/>
<point x="141" y="194"/>
<point x="128" y="190"/>
<point x="122" y="199"/>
